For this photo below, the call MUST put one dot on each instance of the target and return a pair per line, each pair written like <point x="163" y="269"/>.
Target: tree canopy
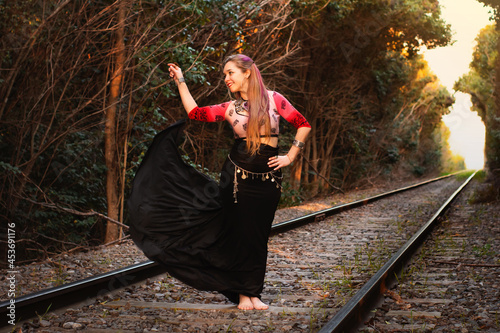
<point x="484" y="88"/>
<point x="481" y="83"/>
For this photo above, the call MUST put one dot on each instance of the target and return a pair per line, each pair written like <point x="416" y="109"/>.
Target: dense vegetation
<point x="479" y="83"/>
<point x="84" y="88"/>
<point x="485" y="88"/>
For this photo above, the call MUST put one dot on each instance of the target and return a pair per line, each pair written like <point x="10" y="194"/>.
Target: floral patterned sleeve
<point x="209" y="113"/>
<point x="287" y="111"/>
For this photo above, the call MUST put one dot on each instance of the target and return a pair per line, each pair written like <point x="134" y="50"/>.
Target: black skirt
<point x="210" y="236"/>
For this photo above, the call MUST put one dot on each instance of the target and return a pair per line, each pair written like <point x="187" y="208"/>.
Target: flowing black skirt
<point x="190" y="224"/>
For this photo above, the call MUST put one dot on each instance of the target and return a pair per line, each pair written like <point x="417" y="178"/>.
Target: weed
<point x="316" y="316"/>
<point x="166" y="286"/>
<point x="466" y="174"/>
<point x="43" y="315"/>
<point x="480" y="176"/>
<point x="284" y="314"/>
<point x="60" y="276"/>
<point x="399" y="284"/>
<point x="314" y="272"/>
<point x="229" y="329"/>
<point x="400" y="226"/>
<point x="344" y="285"/>
<point x="464" y="246"/>
<point x="270" y="325"/>
<point x="346" y="266"/>
<point x="106" y="261"/>
<point x="357" y="257"/>
<point x="279" y="295"/>
<point x="477" y="218"/>
<point x="483" y="251"/>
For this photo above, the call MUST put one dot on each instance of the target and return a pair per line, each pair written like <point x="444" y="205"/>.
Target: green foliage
<point x="289" y="196"/>
<point x="480" y="80"/>
<point x="75" y="179"/>
<point x="495" y="5"/>
<point x="462" y="176"/>
<point x="6" y="167"/>
<point x="200" y="168"/>
<point x="481" y="83"/>
<point x="449" y="162"/>
<point x="391" y="71"/>
<point x="480" y="176"/>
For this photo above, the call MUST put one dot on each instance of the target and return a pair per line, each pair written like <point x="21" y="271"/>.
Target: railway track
<point x="453" y="284"/>
<point x="309" y="277"/>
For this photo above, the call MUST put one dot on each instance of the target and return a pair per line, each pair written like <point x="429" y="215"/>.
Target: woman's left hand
<point x="278" y="162"/>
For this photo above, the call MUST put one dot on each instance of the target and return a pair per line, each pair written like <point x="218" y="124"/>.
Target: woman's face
<point x="236" y="80"/>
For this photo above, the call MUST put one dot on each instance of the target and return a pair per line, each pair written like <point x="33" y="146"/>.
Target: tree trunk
<point x="315" y="161"/>
<point x="296" y="173"/>
<point x="110" y="131"/>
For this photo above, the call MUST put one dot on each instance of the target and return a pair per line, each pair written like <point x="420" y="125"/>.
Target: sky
<point x="467" y="18"/>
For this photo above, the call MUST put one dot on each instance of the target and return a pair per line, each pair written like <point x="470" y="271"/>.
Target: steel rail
<point x="352" y="315"/>
<point x="38" y="303"/>
<point x="322" y="214"/>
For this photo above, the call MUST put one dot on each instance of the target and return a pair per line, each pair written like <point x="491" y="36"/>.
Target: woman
<point x="219" y="240"/>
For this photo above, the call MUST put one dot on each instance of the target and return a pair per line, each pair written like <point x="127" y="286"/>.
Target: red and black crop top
<point x="278" y="106"/>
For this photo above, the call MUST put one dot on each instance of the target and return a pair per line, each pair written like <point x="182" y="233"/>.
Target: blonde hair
<point x="258" y="101"/>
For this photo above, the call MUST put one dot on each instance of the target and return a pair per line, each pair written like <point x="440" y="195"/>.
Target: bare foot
<point x="258" y="305"/>
<point x="245" y="303"/>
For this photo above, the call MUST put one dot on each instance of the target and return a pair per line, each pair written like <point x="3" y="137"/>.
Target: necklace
<point x="241" y="107"/>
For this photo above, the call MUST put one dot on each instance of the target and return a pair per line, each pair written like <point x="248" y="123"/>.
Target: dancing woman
<point x="220" y="244"/>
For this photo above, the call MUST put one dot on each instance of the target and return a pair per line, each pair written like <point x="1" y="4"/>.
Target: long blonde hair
<point x="258" y="101"/>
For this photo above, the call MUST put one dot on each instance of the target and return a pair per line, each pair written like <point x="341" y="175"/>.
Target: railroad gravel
<point x="453" y="285"/>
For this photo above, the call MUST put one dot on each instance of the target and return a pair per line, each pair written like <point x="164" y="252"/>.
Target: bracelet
<point x="298" y="144"/>
<point x="181" y="80"/>
<point x="289" y="158"/>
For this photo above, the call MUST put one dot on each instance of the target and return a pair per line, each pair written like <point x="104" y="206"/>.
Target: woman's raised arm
<point x="187" y="100"/>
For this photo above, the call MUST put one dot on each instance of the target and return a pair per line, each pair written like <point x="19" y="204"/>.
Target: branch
<point x="75" y="212"/>
<point x="320" y="175"/>
<point x="29" y="45"/>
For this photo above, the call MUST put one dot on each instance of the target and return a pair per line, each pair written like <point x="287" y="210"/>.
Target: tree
<point x="481" y="84"/>
<point x="110" y="130"/>
<point x="492" y="118"/>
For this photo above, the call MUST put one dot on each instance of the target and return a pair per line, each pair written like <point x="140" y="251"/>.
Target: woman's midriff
<point x="273" y="142"/>
<point x="254" y="163"/>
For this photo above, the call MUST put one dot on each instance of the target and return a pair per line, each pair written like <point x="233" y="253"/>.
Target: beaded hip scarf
<point x="264" y="176"/>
